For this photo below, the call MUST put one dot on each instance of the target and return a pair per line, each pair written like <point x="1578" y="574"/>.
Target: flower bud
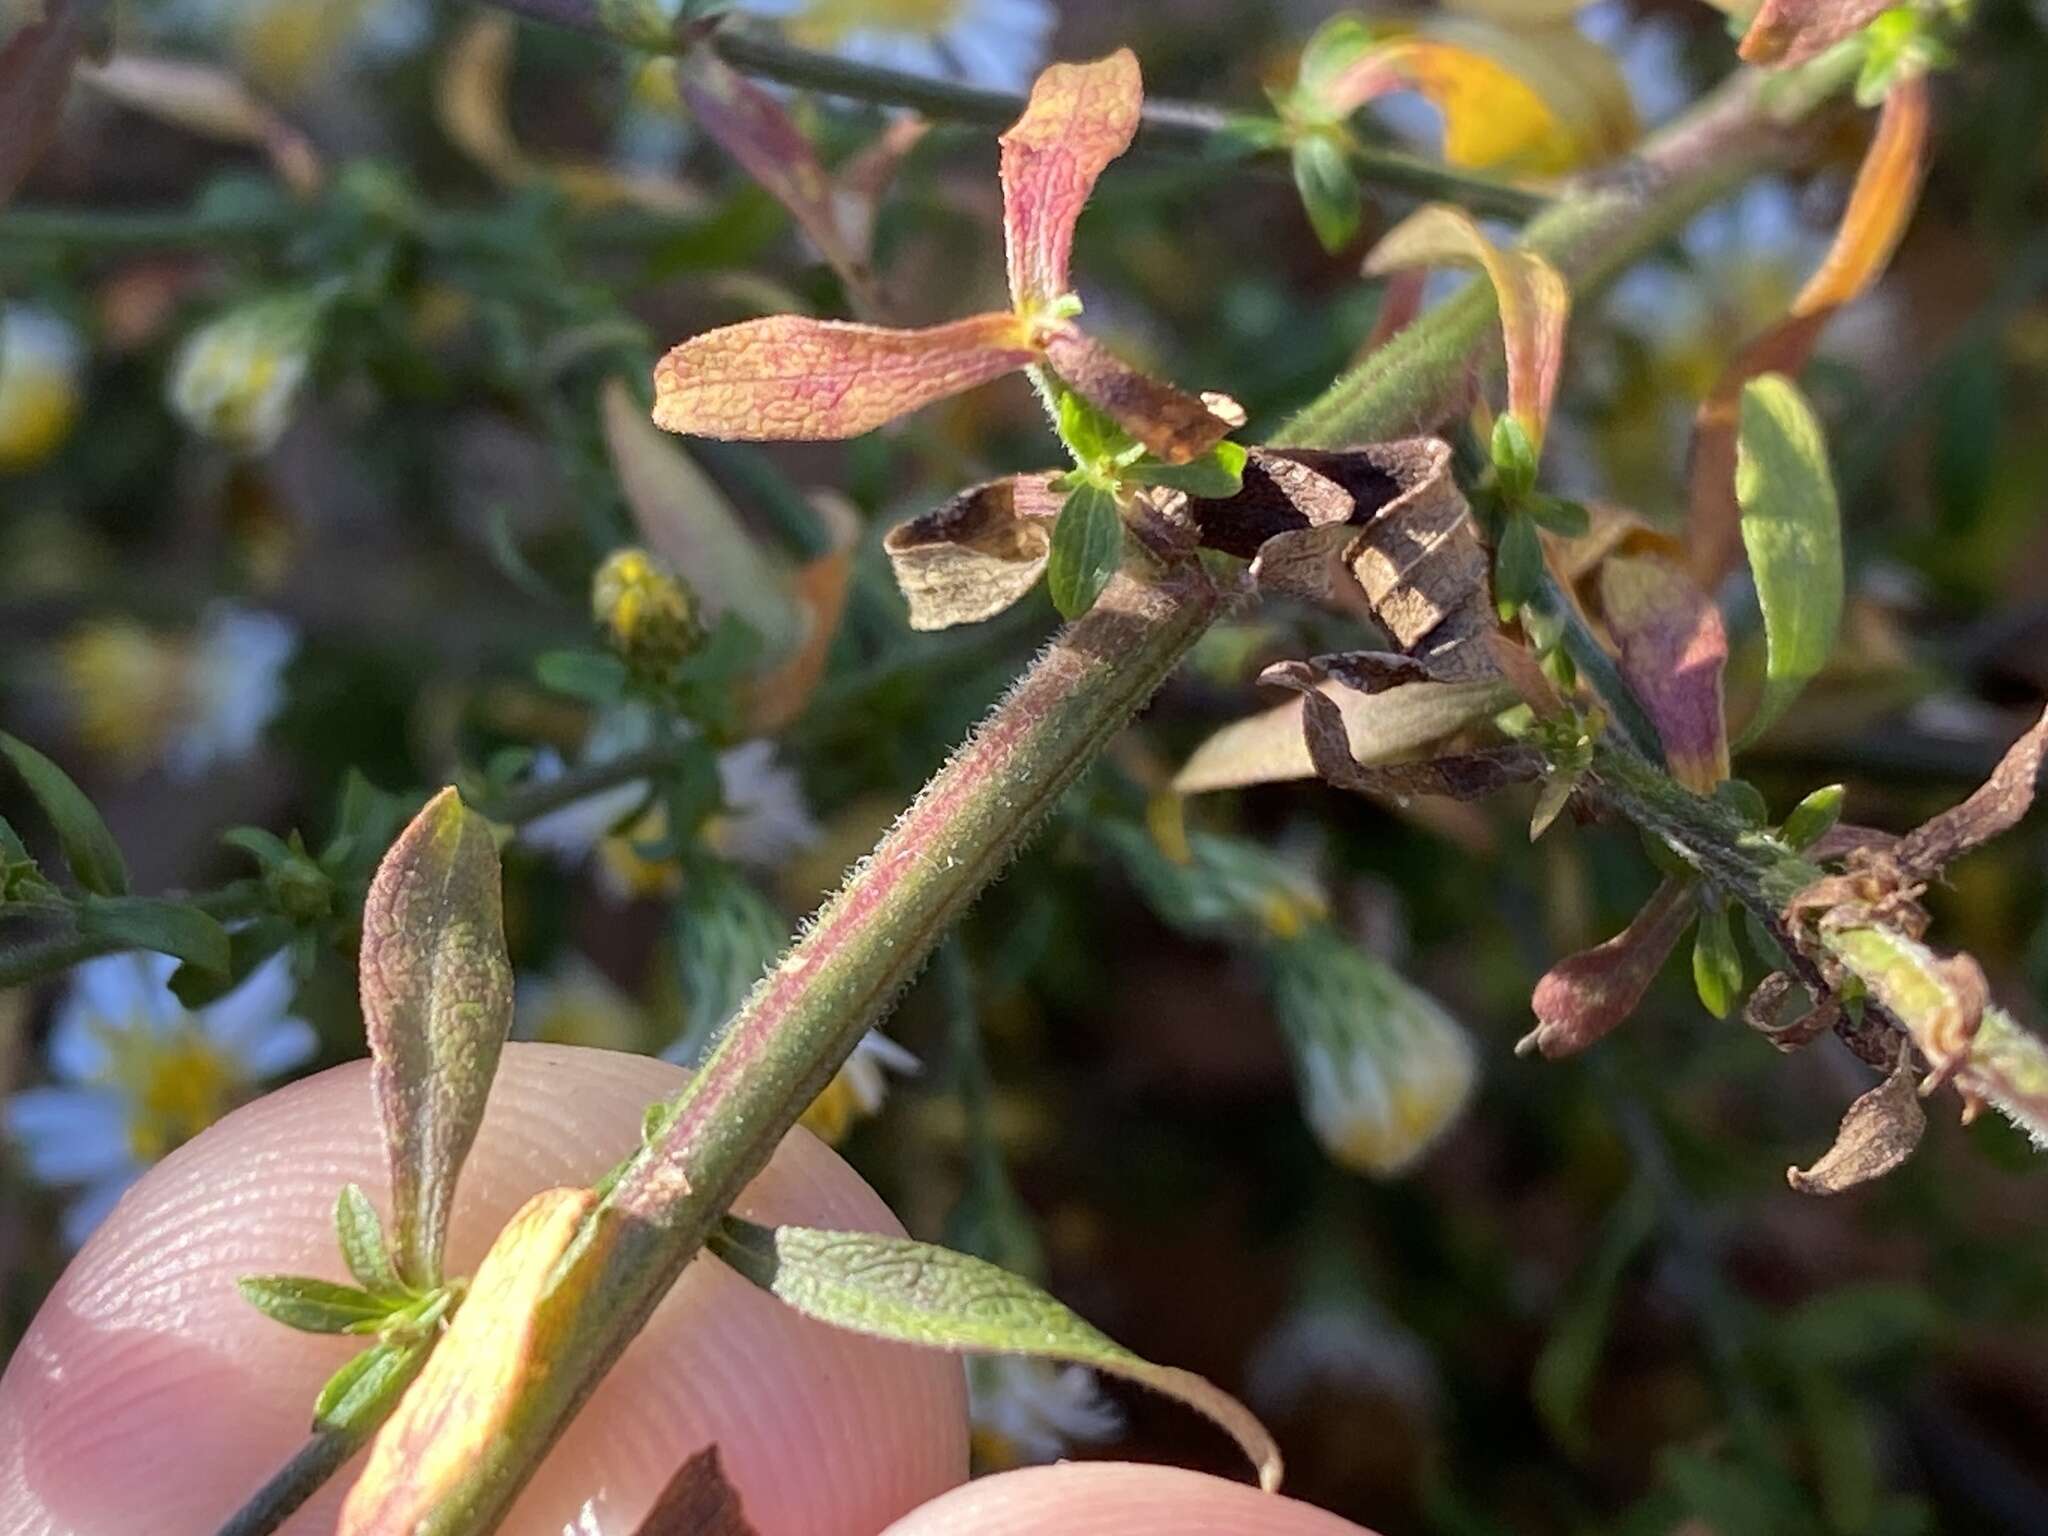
<point x="648" y="615"/>
<point x="237" y="377"/>
<point x="1383" y="1069"/>
<point x="40" y="363"/>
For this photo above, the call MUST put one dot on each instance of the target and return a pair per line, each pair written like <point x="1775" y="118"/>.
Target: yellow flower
<point x="127" y="688"/>
<point x="577" y="1004"/>
<point x="859" y="1088"/>
<point x="40" y="363"/>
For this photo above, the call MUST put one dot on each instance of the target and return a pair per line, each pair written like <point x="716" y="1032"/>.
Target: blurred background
<point x="324" y="364"/>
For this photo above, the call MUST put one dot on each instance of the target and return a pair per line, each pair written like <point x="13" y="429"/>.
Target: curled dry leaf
<point x="793" y="377"/>
<point x="480" y="1374"/>
<point x="1878" y="1133"/>
<point x="1534" y="301"/>
<point x="437" y="1004"/>
<point x="1079" y="118"/>
<point x="1788" y="32"/>
<point x="1673" y="650"/>
<point x="1996" y="807"/>
<point x="976" y="555"/>
<point x="1172" y="425"/>
<point x="698" y="1501"/>
<point x="1585" y="996"/>
<point x="1459" y="776"/>
<point x="1880" y="207"/>
<point x="1760" y="1013"/>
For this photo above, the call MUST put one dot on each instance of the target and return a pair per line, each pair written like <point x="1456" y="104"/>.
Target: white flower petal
<point x="252" y="1007"/>
<point x="283" y="1046"/>
<point x="67" y="1135"/>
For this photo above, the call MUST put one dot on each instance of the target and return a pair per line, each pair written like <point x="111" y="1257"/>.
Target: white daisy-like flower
<point x="766" y="820"/>
<point x="41" y="361"/>
<point x="237" y="377"/>
<point x="860" y="1087"/>
<point x="1025" y="1410"/>
<point x="998" y="44"/>
<point x="138" y="1076"/>
<point x="1384" y="1070"/>
<point x="576" y="1004"/>
<point x="183" y="702"/>
<point x="1348" y="1346"/>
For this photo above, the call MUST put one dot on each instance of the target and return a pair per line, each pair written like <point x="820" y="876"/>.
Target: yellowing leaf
<point x="789" y="376"/>
<point x="1534" y="302"/>
<point x="499" y="1346"/>
<point x="1079" y="118"/>
<point x="1880" y="206"/>
<point x="1788" y="32"/>
<point x="1673" y="650"/>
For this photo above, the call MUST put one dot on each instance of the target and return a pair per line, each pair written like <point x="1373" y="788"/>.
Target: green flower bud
<point x="237" y="377"/>
<point x="649" y="617"/>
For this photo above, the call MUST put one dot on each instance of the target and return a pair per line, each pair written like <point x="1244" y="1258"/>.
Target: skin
<point x="148" y="1396"/>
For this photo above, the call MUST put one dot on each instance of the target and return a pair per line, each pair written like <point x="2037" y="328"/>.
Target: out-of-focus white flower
<point x="576" y="1004"/>
<point x="138" y="1076"/>
<point x="766" y="819"/>
<point x="859" y="1088"/>
<point x="1000" y="44"/>
<point x="41" y="360"/>
<point x="1025" y="1410"/>
<point x="1383" y="1069"/>
<point x="1347" y="1346"/>
<point x="237" y="377"/>
<point x="185" y="702"/>
<point x="287" y="46"/>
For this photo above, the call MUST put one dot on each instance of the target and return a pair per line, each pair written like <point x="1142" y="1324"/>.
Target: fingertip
<point x="146" y="1386"/>
<point x="1113" y="1498"/>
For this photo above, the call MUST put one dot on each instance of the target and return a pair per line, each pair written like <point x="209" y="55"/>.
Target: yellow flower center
<point x="993" y="1450"/>
<point x="128" y="688"/>
<point x="833" y="1112"/>
<point x="632" y="872"/>
<point x="37" y="407"/>
<point x="282" y="43"/>
<point x="176" y="1085"/>
<point x="826" y="23"/>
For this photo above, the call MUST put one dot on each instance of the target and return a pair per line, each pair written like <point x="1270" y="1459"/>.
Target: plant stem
<point x="868" y="942"/>
<point x="63" y="945"/>
<point x="325" y="1454"/>
<point x="1184" y="127"/>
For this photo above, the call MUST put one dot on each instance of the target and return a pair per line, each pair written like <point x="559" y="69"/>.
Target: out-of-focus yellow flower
<point x="41" y="360"/>
<point x="577" y="1004"/>
<point x="627" y="872"/>
<point x="238" y="376"/>
<point x="860" y="1087"/>
<point x="1383" y="1069"/>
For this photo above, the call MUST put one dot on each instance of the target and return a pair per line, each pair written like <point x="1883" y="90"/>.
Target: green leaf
<point x="437" y="1002"/>
<point x="21" y="878"/>
<point x="1091" y="436"/>
<point x="597" y="677"/>
<point x="1791" y="527"/>
<point x="148" y="922"/>
<point x="360" y="1230"/>
<point x="1087" y="545"/>
<point x="363" y="1392"/>
<point x="1329" y="192"/>
<point x="1856" y="1325"/>
<point x="1570" y="1359"/>
<point x="1745" y="800"/>
<point x="1517" y="564"/>
<point x="1217" y="473"/>
<point x="89" y="848"/>
<point x="313" y="1306"/>
<point x="1814" y="817"/>
<point x="1569" y="519"/>
<point x="1514" y="458"/>
<point x="1717" y="963"/>
<point x="917" y="1293"/>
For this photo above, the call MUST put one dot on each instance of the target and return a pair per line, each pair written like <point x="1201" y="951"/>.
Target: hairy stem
<point x="1182" y="126"/>
<point x="868" y="942"/>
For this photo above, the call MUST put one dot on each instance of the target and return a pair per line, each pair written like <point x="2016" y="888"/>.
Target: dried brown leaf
<point x="1585" y="996"/>
<point x="698" y="1501"/>
<point x="1996" y="807"/>
<point x="1878" y="1133"/>
<point x="1172" y="424"/>
<point x="977" y="554"/>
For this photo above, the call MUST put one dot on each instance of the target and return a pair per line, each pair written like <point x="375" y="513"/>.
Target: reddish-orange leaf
<point x="1585" y="996"/>
<point x="1080" y="117"/>
<point x="1175" y="426"/>
<point x="790" y="376"/>
<point x="1673" y="650"/>
<point x="1788" y="32"/>
<point x="1880" y="206"/>
<point x="1534" y="302"/>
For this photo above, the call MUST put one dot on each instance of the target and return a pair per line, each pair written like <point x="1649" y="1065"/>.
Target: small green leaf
<point x="1517" y="564"/>
<point x="1717" y="963"/>
<point x="1091" y="436"/>
<point x="168" y="927"/>
<point x="1514" y="459"/>
<point x="21" y="879"/>
<point x="360" y="1231"/>
<point x="1814" y="817"/>
<point x="917" y="1293"/>
<point x="1329" y="192"/>
<point x="89" y="848"/>
<point x="1745" y="800"/>
<point x="1087" y="545"/>
<point x="437" y="1003"/>
<point x="363" y="1392"/>
<point x="1791" y="527"/>
<point x="597" y="677"/>
<point x="1568" y="519"/>
<point x="313" y="1306"/>
<point x="1556" y="793"/>
<point x="1216" y="474"/>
